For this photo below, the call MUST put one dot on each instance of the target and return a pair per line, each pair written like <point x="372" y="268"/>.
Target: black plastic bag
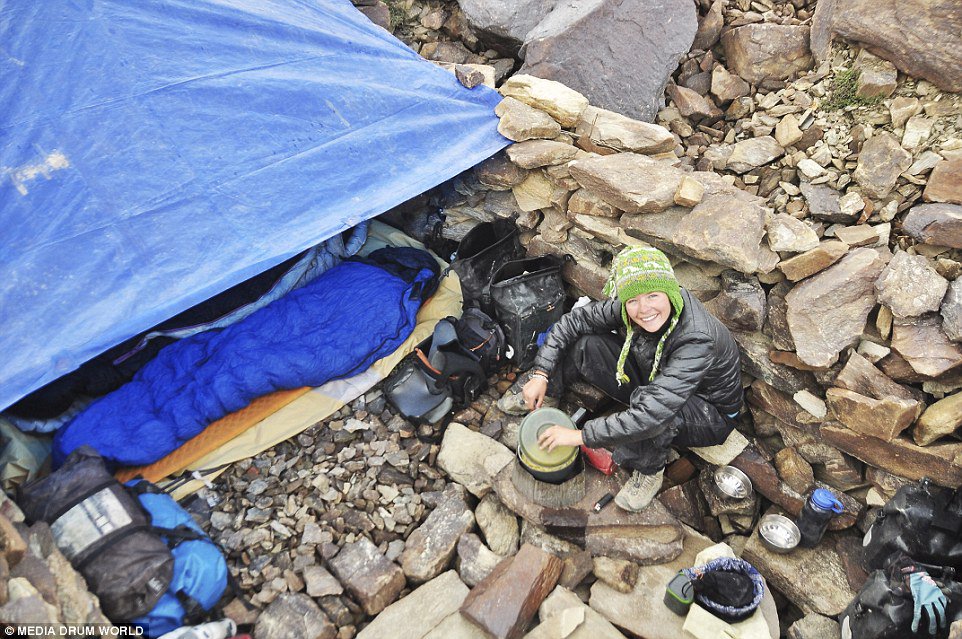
<point x="922" y="521"/>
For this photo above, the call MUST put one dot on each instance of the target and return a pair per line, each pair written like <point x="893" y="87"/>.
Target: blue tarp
<point x="155" y="153"/>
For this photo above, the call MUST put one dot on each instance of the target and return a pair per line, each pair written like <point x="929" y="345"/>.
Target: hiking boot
<point x="514" y="404"/>
<point x="639" y="490"/>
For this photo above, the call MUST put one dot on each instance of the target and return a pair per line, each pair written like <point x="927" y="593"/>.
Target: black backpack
<point x="449" y="368"/>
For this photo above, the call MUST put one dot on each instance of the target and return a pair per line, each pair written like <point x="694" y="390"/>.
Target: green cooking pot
<point x="555" y="466"/>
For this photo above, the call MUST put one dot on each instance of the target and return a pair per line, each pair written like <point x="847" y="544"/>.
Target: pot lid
<point x="531" y="428"/>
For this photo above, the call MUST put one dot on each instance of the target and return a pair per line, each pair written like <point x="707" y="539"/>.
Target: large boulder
<point x="920" y="37"/>
<point x="503" y="24"/>
<point x="827" y="312"/>
<point x="644" y="40"/>
<point x="767" y="53"/>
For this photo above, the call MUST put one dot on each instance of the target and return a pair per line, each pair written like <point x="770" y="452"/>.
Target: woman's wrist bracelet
<point x="543" y="375"/>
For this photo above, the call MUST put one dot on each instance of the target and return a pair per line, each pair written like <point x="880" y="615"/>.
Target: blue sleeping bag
<point x="335" y="327"/>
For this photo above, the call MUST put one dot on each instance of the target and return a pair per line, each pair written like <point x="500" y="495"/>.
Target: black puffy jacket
<point x="700" y="358"/>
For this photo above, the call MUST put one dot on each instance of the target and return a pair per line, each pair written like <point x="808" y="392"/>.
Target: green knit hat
<point x="636" y="271"/>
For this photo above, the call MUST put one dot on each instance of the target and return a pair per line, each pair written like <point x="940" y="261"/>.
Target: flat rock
<point x="920" y="38"/>
<point x="319" y="582"/>
<point x="620" y="574"/>
<point x="814" y="261"/>
<point x="727" y="228"/>
<point x="827" y="312"/>
<point x="864" y="234"/>
<point x="814" y="579"/>
<point x="786" y="233"/>
<point x="584" y="202"/>
<point x="690" y="103"/>
<point x="368" y="575"/>
<point x="945" y="182"/>
<point x="877" y="78"/>
<point x="605" y="132"/>
<point x="709" y="27"/>
<point x="431" y="546"/>
<point x="644" y="39"/>
<point x="534" y="154"/>
<point x="860" y="376"/>
<point x="593" y="626"/>
<point x="880" y="163"/>
<point x="938" y="224"/>
<point x="520" y="122"/>
<point x="753" y="153"/>
<point x="942" y="463"/>
<point x="766" y="481"/>
<point x="795" y="470"/>
<point x="787" y="132"/>
<point x="824" y="203"/>
<point x="475" y="560"/>
<point x="650" y="536"/>
<point x="727" y="86"/>
<point x="942" y="418"/>
<point x="909" y="286"/>
<point x="952" y="312"/>
<point x="690" y="192"/>
<point x="456" y="626"/>
<point x="472" y="459"/>
<point x="416" y="614"/>
<point x="755" y="349"/>
<point x="814" y="626"/>
<point x="628" y="181"/>
<point x="884" y="418"/>
<point x="498" y="525"/>
<point x="741" y="304"/>
<point x="506" y="601"/>
<point x="294" y="616"/>
<point x="767" y="52"/>
<point x="537" y="192"/>
<point x="558" y="100"/>
<point x="925" y="346"/>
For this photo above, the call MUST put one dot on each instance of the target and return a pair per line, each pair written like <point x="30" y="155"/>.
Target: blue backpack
<point x="142" y="554"/>
<point x="200" y="572"/>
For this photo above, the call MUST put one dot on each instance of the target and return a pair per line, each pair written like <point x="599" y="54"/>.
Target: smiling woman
<point x="656" y="350"/>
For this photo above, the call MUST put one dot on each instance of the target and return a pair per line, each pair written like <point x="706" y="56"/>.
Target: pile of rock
<point x="37" y="583"/>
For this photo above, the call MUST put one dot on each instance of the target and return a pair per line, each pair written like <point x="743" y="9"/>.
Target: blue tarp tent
<point x="155" y="153"/>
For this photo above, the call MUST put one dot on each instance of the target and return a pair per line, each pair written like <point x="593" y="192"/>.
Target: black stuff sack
<point x="482" y="250"/>
<point x="104" y="532"/>
<point x="526" y="297"/>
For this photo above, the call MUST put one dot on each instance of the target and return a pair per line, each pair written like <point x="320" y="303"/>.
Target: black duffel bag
<point x="485" y="248"/>
<point x="526" y="297"/>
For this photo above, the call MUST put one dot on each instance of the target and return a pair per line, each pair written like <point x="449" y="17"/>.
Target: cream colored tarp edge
<point x="322" y="402"/>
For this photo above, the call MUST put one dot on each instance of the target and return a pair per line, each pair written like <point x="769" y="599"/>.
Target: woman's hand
<point x="556" y="436"/>
<point x="533" y="392"/>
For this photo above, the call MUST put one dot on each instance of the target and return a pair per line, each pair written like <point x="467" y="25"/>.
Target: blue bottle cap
<point x="826" y="500"/>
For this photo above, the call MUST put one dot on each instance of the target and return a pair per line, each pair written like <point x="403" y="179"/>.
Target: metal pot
<point x="554" y="467"/>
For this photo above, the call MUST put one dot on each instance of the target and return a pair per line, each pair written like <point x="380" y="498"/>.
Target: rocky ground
<point x="808" y="191"/>
<point x="835" y="150"/>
